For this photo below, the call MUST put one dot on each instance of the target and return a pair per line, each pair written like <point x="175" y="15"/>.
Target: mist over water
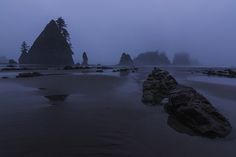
<point x="105" y="29"/>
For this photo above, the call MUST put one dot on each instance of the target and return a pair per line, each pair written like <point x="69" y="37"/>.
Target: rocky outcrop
<point x="196" y="112"/>
<point x="50" y="48"/>
<point x="157" y="86"/>
<point x="223" y="73"/>
<point x="85" y="59"/>
<point x="152" y="58"/>
<point x="185" y="105"/>
<point x="126" y="60"/>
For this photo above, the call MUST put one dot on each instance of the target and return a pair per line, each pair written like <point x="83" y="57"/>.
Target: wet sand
<point x="101" y="115"/>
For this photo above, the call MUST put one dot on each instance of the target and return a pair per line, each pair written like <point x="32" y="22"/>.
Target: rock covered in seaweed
<point x="185" y="106"/>
<point x="194" y="111"/>
<point x="157" y="86"/>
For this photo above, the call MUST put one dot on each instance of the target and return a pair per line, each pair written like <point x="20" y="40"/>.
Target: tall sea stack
<point x="50" y="48"/>
<point x="126" y="60"/>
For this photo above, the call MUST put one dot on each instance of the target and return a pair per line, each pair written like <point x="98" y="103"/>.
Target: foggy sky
<point x="106" y="28"/>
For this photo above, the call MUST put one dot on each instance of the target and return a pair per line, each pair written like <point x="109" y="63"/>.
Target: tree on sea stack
<point x="51" y="47"/>
<point x="24" y="52"/>
<point x="63" y="29"/>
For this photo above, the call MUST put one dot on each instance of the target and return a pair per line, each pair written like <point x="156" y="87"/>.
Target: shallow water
<point x="102" y="115"/>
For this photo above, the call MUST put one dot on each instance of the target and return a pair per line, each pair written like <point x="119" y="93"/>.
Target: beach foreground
<point x="92" y="114"/>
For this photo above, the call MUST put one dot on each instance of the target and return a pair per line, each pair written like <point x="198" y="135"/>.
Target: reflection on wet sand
<point x="56" y="98"/>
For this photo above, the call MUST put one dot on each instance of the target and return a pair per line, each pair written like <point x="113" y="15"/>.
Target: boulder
<point x="157" y="86"/>
<point x="194" y="111"/>
<point x="50" y="48"/>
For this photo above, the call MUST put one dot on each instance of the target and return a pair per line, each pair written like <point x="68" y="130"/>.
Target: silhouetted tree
<point x="63" y="28"/>
<point x="24" y="48"/>
<point x="24" y="53"/>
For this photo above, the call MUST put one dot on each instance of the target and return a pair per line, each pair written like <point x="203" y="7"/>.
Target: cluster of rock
<point x="196" y="112"/>
<point x="126" y="60"/>
<point x="224" y="73"/>
<point x="185" y="104"/>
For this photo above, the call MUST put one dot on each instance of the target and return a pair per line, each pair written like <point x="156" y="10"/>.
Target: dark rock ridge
<point x="152" y="58"/>
<point x="185" y="105"/>
<point x="223" y="73"/>
<point x="50" y="48"/>
<point x="157" y="86"/>
<point x="126" y="60"/>
<point x="196" y="112"/>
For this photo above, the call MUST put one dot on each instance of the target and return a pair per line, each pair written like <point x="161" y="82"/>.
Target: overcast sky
<point x="106" y="28"/>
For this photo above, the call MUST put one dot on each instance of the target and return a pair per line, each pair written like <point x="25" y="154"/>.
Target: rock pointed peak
<point x="50" y="48"/>
<point x="126" y="60"/>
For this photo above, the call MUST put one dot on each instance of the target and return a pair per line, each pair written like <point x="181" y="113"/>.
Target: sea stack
<point x="50" y="48"/>
<point x="126" y="60"/>
<point x="85" y="59"/>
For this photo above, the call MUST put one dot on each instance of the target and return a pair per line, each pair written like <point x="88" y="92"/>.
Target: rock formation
<point x="152" y="58"/>
<point x="231" y="73"/>
<point x="50" y="48"/>
<point x="126" y="60"/>
<point x="185" y="105"/>
<point x="85" y="59"/>
<point x="196" y="112"/>
<point x="157" y="86"/>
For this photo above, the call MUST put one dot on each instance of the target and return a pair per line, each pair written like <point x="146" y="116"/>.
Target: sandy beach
<point x="96" y="115"/>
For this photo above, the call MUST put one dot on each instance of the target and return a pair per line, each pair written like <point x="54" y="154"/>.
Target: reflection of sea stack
<point x="85" y="59"/>
<point x="126" y="60"/>
<point x="50" y="48"/>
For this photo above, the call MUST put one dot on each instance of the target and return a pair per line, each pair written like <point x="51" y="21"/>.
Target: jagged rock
<point x="30" y="74"/>
<point x="85" y="59"/>
<point x="197" y="113"/>
<point x="223" y="73"/>
<point x="50" y="48"/>
<point x="157" y="86"/>
<point x="126" y="60"/>
<point x="185" y="106"/>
